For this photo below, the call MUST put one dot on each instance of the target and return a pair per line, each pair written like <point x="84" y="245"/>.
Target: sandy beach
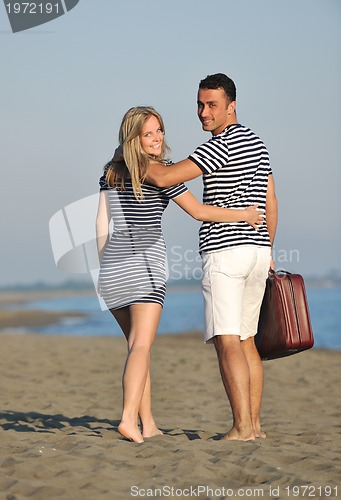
<point x="61" y="403"/>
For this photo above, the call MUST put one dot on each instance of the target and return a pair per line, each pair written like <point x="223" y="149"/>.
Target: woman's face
<point x="151" y="137"/>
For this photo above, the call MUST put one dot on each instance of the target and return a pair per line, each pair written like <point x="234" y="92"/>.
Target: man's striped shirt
<point x="235" y="166"/>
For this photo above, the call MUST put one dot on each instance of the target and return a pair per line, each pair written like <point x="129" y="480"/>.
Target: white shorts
<point x="233" y="286"/>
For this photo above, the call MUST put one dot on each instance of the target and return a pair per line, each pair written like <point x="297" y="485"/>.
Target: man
<point x="236" y="257"/>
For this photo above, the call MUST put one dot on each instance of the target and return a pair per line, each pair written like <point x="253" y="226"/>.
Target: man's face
<point x="213" y="110"/>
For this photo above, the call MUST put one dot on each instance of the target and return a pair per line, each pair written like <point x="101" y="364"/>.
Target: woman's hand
<point x="254" y="216"/>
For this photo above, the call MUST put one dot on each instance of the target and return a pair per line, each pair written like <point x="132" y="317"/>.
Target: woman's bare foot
<point x="148" y="433"/>
<point x="149" y="428"/>
<point x="131" y="432"/>
<point x="239" y="435"/>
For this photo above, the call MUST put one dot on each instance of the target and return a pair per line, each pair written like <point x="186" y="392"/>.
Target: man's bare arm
<point x="165" y="176"/>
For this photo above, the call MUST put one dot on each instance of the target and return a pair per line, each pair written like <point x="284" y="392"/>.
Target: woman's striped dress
<point x="133" y="267"/>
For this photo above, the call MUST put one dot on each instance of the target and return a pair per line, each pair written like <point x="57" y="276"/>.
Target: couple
<point x="239" y="217"/>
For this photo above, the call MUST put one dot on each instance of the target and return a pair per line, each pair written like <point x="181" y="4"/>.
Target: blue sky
<point x="65" y="86"/>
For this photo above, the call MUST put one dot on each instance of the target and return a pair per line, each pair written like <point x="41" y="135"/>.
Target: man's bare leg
<point x="234" y="370"/>
<point x="256" y="383"/>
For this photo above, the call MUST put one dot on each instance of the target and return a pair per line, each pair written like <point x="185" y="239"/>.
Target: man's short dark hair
<point x="219" y="81"/>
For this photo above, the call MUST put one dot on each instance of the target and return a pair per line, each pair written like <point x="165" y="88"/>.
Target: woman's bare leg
<point x="149" y="427"/>
<point x="144" y="320"/>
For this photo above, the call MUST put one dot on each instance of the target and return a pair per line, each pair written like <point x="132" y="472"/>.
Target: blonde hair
<point x="134" y="161"/>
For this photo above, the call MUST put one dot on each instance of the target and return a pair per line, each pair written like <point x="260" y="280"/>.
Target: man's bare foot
<point x="131" y="432"/>
<point x="238" y="435"/>
<point x="260" y="434"/>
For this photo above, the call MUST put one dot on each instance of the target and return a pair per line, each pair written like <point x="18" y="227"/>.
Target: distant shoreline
<point x="12" y="317"/>
<point x="24" y="293"/>
<point x="19" y="313"/>
<point x="20" y="296"/>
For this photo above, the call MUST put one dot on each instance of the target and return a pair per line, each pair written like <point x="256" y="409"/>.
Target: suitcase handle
<point x="278" y="273"/>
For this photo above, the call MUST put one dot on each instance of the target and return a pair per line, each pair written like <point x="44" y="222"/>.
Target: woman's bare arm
<point x="211" y="213"/>
<point x="102" y="223"/>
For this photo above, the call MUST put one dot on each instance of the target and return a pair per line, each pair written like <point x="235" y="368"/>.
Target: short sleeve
<point x="211" y="155"/>
<point x="103" y="185"/>
<point x="174" y="191"/>
<point x="268" y="165"/>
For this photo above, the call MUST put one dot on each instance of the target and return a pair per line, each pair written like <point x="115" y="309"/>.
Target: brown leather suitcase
<point x="284" y="326"/>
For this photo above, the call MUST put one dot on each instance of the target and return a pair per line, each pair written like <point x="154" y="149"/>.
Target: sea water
<point x="183" y="312"/>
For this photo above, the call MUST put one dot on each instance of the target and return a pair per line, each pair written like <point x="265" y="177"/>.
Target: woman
<point x="132" y="279"/>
